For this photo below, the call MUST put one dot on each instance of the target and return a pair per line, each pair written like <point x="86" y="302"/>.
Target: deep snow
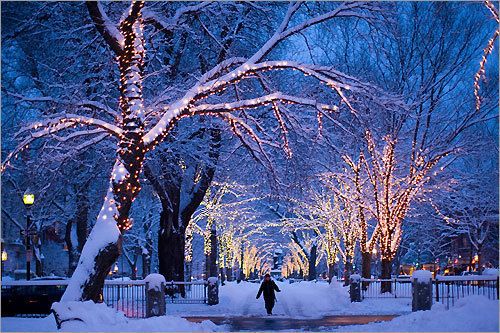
<point x="470" y="314"/>
<point x="299" y="300"/>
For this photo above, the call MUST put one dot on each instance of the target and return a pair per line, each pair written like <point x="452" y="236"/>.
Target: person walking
<point x="268" y="287"/>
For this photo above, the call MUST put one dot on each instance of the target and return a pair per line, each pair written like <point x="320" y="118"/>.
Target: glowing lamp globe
<point x="28" y="198"/>
<point x="4" y="255"/>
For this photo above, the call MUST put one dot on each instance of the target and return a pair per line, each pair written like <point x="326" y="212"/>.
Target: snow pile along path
<point x="93" y="317"/>
<point x="470" y="314"/>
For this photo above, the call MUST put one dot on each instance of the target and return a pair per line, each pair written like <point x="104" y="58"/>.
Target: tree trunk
<point x="312" y="263"/>
<point x="229" y="274"/>
<point x="188" y="271"/>
<point x="104" y="243"/>
<point x="331" y="272"/>
<point x="98" y="255"/>
<point x="212" y="256"/>
<point x="171" y="243"/>
<point x="81" y="220"/>
<point x="366" y="267"/>
<point x="479" y="259"/>
<point x="146" y="265"/>
<point x="347" y="270"/>
<point x="386" y="286"/>
<point x="222" y="275"/>
<point x="171" y="252"/>
<point x="147" y="251"/>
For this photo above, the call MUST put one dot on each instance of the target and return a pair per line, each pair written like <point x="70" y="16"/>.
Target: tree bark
<point x="211" y="258"/>
<point x="146" y="265"/>
<point x="229" y="274"/>
<point x="81" y="221"/>
<point x="171" y="252"/>
<point x="386" y="286"/>
<point x="147" y="252"/>
<point x="188" y="271"/>
<point x="366" y="266"/>
<point x="222" y="275"/>
<point x="347" y="270"/>
<point x="331" y="272"/>
<point x="312" y="263"/>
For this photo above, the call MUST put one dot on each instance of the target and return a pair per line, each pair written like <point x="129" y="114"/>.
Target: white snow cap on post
<point x="212" y="280"/>
<point x="155" y="281"/>
<point x="355" y="277"/>
<point x="422" y="276"/>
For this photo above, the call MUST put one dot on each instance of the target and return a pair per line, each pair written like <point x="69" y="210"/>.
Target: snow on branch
<point x="184" y="106"/>
<point x="171" y="23"/>
<point x="261" y="101"/>
<point x="106" y="28"/>
<point x="486" y="52"/>
<point x="55" y="125"/>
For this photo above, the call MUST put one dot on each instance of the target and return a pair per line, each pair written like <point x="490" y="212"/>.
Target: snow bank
<point x="155" y="324"/>
<point x="155" y="280"/>
<point x="422" y="276"/>
<point x="94" y="317"/>
<point x="87" y="313"/>
<point x="491" y="271"/>
<point x="470" y="314"/>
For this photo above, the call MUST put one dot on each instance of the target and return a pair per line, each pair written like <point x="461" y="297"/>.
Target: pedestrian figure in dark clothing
<point x="268" y="287"/>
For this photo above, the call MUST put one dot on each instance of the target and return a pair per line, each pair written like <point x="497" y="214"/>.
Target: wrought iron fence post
<point x="421" y="290"/>
<point x="213" y="291"/>
<point x="355" y="287"/>
<point x="436" y="283"/>
<point x="155" y="295"/>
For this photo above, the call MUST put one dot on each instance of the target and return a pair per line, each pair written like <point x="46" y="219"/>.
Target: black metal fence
<point x="446" y="289"/>
<point x="186" y="292"/>
<point x="34" y="298"/>
<point x="400" y="288"/>
<point x="128" y="297"/>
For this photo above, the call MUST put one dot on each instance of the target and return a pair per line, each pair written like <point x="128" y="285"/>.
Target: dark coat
<point x="268" y="288"/>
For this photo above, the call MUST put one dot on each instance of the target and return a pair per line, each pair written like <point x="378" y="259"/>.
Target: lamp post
<point x="28" y="200"/>
<point x="4" y="258"/>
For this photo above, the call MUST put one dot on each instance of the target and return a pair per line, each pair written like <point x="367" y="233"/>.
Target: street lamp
<point x="4" y="258"/>
<point x="28" y="200"/>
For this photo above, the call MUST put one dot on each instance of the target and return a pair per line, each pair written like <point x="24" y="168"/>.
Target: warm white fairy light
<point x="486" y="52"/>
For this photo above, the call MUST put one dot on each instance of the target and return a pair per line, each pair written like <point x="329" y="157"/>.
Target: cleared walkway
<point x="275" y="323"/>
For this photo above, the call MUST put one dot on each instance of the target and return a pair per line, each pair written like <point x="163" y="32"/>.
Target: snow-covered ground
<point x="297" y="300"/>
<point x="305" y="300"/>
<point x="156" y="324"/>
<point x="470" y="314"/>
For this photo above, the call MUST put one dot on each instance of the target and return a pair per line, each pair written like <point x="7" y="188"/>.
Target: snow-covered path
<point x="297" y="300"/>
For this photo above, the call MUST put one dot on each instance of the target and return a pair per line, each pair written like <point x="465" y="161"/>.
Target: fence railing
<point x="128" y="297"/>
<point x="400" y="288"/>
<point x="30" y="298"/>
<point x="446" y="289"/>
<point x="186" y="292"/>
